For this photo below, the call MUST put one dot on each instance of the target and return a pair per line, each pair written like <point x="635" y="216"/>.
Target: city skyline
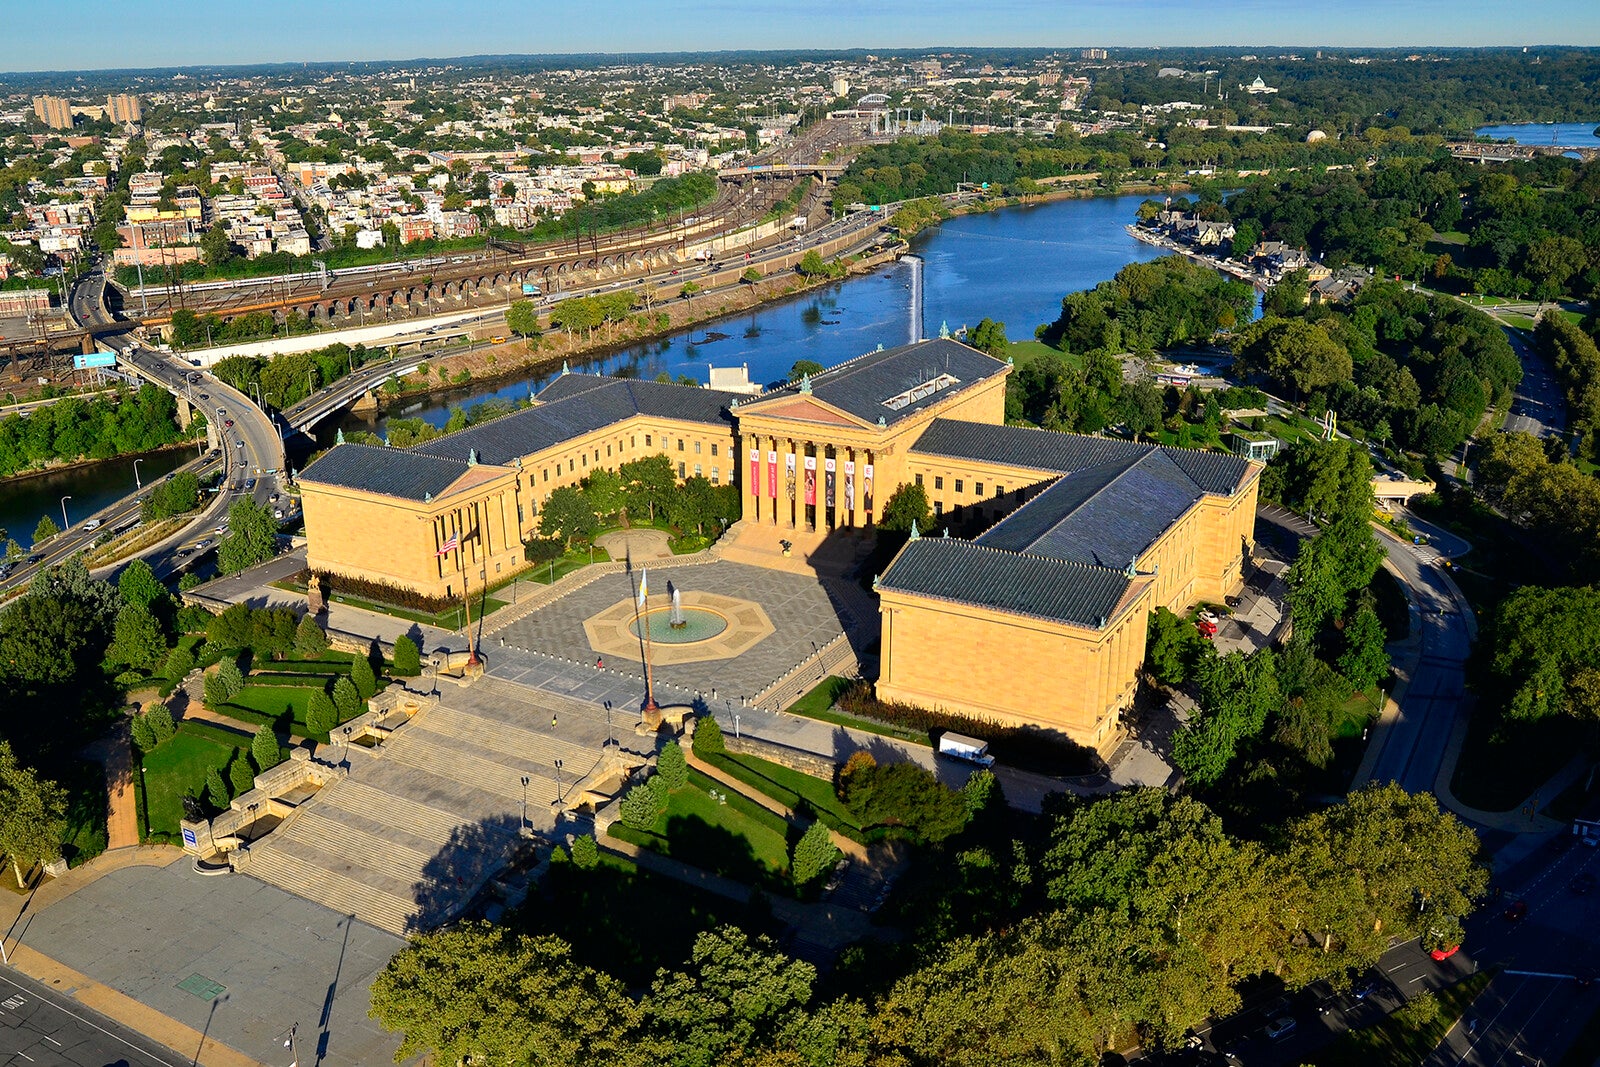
<point x="137" y="34"/>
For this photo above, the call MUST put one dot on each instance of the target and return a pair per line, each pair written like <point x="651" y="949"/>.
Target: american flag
<point x="450" y="545"/>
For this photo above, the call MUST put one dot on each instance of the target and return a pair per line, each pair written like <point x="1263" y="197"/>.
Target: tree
<point x="569" y="515"/>
<point x="180" y="661"/>
<point x="1544" y="643"/>
<point x="1338" y="561"/>
<point x="1237" y="691"/>
<point x="688" y="291"/>
<point x="264" y="749"/>
<point x="252" y="537"/>
<point x="217" y="790"/>
<point x="606" y="492"/>
<point x="33" y="815"/>
<point x="650" y="482"/>
<point x="137" y="641"/>
<point x="139" y="585"/>
<point x="902" y="794"/>
<point x="144" y="738"/>
<point x="707" y="742"/>
<point x="750" y="276"/>
<point x="346" y="698"/>
<point x="1174" y="648"/>
<point x="162" y="728"/>
<point x="672" y="767"/>
<point x="310" y="642"/>
<point x="990" y="336"/>
<point x="321" y="715"/>
<point x="407" y="660"/>
<point x="476" y="993"/>
<point x="229" y="676"/>
<point x="814" y="855"/>
<point x="908" y="506"/>
<point x="241" y="775"/>
<point x="585" y="852"/>
<point x="1294" y="352"/>
<point x="46" y="529"/>
<point x="522" y="318"/>
<point x="215" y="246"/>
<point x="1365" y="660"/>
<point x="639" y="807"/>
<point x="362" y="675"/>
<point x="811" y="264"/>
<point x="803" y="367"/>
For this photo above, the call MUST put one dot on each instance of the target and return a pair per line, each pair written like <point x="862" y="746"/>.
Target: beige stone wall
<point x="1011" y="668"/>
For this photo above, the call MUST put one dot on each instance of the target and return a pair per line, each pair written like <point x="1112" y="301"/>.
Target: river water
<point x="1562" y="134"/>
<point x="1012" y="265"/>
<point x="24" y="501"/>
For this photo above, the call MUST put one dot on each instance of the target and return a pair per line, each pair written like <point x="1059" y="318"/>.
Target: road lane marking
<point x="52" y="1040"/>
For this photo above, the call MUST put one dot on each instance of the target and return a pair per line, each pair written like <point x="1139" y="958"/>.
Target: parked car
<point x="1516" y="911"/>
<point x="1281" y="1027"/>
<point x="1442" y="953"/>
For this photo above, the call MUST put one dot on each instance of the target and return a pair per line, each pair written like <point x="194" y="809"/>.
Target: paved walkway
<point x="638" y="544"/>
<point x="17" y="914"/>
<point x="114" y="752"/>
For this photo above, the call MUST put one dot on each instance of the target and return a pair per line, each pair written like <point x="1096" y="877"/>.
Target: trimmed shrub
<point x="216" y="790"/>
<point x="241" y="774"/>
<point x="671" y="766"/>
<point x="346" y="699"/>
<point x="144" y="736"/>
<point x="264" y="749"/>
<point x="407" y="659"/>
<point x="180" y="661"/>
<point x="814" y="856"/>
<point x="366" y="682"/>
<point x="161" y="725"/>
<point x="320" y="713"/>
<point x="385" y="593"/>
<point x="216" y="691"/>
<point x="309" y="639"/>
<point x="639" y="807"/>
<point x="585" y="852"/>
<point x="230" y="677"/>
<point x="707" y="737"/>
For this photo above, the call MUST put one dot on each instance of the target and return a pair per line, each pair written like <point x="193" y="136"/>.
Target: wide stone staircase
<point x="409" y="836"/>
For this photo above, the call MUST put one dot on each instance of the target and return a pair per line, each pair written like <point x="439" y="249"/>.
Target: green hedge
<point x="798" y="791"/>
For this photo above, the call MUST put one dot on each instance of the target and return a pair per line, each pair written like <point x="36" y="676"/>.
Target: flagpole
<point x="642" y="601"/>
<point x="461" y="562"/>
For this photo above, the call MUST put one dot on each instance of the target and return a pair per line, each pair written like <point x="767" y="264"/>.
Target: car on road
<point x="1364" y="989"/>
<point x="1516" y="911"/>
<point x="205" y="396"/>
<point x="229" y="424"/>
<point x="222" y="530"/>
<point x="1281" y="1027"/>
<point x="1444" y="952"/>
<point x="222" y="411"/>
<point x="92" y="524"/>
<point x="277" y="513"/>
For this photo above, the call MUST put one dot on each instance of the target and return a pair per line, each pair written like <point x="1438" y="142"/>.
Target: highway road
<point x="40" y="1026"/>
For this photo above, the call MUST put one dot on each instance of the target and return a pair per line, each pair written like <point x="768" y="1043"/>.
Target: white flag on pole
<point x="644" y="586"/>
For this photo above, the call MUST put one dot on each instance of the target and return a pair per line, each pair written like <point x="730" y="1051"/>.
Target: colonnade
<point x="796" y="484"/>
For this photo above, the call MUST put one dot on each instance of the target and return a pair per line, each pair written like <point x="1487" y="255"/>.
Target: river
<point x="1013" y="265"/>
<point x="1562" y="134"/>
<point x="24" y="501"/>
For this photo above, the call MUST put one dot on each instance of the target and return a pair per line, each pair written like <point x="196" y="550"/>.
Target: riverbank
<point x="55" y="468"/>
<point x="1233" y="270"/>
<point x="494" y="364"/>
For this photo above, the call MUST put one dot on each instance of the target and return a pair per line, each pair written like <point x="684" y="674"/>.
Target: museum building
<point x="1040" y="619"/>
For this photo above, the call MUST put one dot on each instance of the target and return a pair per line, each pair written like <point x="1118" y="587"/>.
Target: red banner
<point x="755" y="472"/>
<point x="772" y="475"/>
<point x="811" y="480"/>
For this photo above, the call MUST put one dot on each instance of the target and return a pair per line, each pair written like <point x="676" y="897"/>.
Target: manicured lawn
<point x="800" y="792"/>
<point x="1406" y="1037"/>
<point x="735" y="837"/>
<point x="178" y="768"/>
<point x="553" y="570"/>
<point x="1357" y="713"/>
<point x="1023" y="351"/>
<point x="273" y="701"/>
<point x="85" y="783"/>
<point x="818" y="704"/>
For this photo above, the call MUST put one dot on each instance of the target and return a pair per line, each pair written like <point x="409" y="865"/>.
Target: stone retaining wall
<point x="793" y="758"/>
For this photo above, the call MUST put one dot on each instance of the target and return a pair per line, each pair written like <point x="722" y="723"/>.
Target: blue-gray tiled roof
<point x="576" y="404"/>
<point x="862" y="385"/>
<point x="964" y="572"/>
<point x="387" y="471"/>
<point x="1106" y="515"/>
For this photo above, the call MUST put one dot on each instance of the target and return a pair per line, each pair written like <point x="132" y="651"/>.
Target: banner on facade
<point x="772" y="474"/>
<point x="849" y="485"/>
<point x="788" y="473"/>
<point x="828" y="483"/>
<point x="866" y="487"/>
<point x="755" y="471"/>
<point x="811" y="480"/>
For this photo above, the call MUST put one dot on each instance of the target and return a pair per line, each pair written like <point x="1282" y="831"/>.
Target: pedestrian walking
<point x="552" y="722"/>
<point x="599" y="663"/>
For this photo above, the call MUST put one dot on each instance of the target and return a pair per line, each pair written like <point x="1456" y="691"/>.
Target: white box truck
<point x="962" y="747"/>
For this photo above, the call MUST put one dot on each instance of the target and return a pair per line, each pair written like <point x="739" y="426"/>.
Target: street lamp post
<point x="524" y="802"/>
<point x="64" y="523"/>
<point x="289" y="1043"/>
<point x="137" y="484"/>
<point x="561" y="785"/>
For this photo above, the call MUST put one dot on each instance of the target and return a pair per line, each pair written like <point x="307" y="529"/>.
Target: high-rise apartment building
<point x="54" y="111"/>
<point x="123" y="108"/>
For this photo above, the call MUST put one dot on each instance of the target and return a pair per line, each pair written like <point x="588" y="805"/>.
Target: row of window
<point x="977" y="487"/>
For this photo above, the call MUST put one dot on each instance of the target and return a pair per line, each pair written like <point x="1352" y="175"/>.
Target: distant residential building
<point x="1093" y="53"/>
<point x="124" y="107"/>
<point x="54" y="111"/>
<point x="15" y="303"/>
<point x="841" y="86"/>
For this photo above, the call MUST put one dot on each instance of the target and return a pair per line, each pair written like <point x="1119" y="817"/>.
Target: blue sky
<point x="89" y="34"/>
